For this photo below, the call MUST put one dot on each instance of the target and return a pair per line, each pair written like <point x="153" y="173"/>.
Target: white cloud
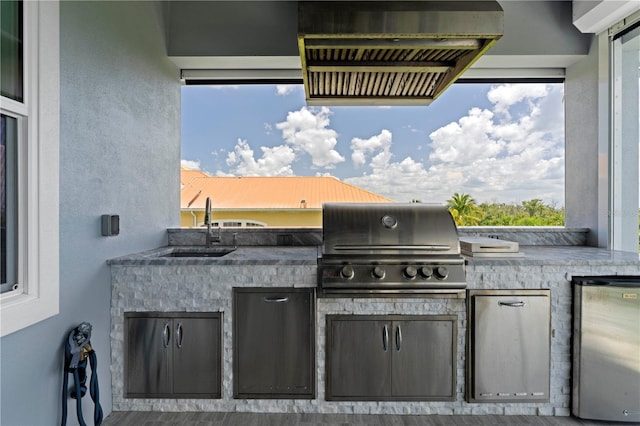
<point x="190" y="164"/>
<point x="286" y="89"/>
<point x="506" y="95"/>
<point x="484" y="154"/>
<point x="275" y="161"/>
<point x="467" y="140"/>
<point x="308" y="132"/>
<point x="363" y="148"/>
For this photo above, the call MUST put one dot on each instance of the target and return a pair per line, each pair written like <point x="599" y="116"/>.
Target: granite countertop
<point x="561" y="255"/>
<point x="245" y="255"/>
<point x="308" y="255"/>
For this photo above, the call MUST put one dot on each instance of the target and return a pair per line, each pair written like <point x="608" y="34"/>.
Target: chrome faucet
<point x="207" y="221"/>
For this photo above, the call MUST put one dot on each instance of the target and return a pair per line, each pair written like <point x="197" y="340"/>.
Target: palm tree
<point x="534" y="207"/>
<point x="464" y="210"/>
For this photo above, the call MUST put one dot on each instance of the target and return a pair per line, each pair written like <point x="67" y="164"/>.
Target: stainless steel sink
<point x="199" y="252"/>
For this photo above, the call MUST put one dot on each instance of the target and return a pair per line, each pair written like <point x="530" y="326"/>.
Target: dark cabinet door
<point x="424" y="359"/>
<point x="358" y="362"/>
<point x="196" y="357"/>
<point x="147" y="362"/>
<point x="274" y="341"/>
<point x="391" y="357"/>
<point x="173" y="354"/>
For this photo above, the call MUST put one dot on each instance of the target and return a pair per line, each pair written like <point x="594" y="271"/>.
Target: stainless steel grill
<point x="390" y="249"/>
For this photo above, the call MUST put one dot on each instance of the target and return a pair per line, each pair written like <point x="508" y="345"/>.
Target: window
<point x="12" y="65"/>
<point x="29" y="134"/>
<point x="237" y="224"/>
<point x="502" y="144"/>
<point x="8" y="199"/>
<point x="625" y="178"/>
<point x="11" y="119"/>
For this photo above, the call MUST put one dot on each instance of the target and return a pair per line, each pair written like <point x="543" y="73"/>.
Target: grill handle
<point x="398" y="338"/>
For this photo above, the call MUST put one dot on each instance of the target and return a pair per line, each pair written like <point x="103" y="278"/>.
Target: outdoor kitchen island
<point x="153" y="281"/>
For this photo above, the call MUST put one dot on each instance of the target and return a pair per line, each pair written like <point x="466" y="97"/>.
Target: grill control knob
<point x="347" y="272"/>
<point x="426" y="272"/>
<point x="410" y="272"/>
<point x="441" y="272"/>
<point x="378" y="272"/>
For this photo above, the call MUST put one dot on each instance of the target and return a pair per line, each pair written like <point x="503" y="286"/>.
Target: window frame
<point x="12" y="201"/>
<point x="37" y="296"/>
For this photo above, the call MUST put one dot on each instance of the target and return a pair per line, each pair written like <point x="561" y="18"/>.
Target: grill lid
<point x="388" y="228"/>
<point x="391" y="52"/>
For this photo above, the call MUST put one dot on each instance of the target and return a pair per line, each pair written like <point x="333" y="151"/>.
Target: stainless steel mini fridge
<point x="606" y="348"/>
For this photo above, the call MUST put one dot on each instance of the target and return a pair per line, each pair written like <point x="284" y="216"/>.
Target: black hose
<point x="94" y="389"/>
<point x="76" y="378"/>
<point x="65" y="385"/>
<point x="76" y="351"/>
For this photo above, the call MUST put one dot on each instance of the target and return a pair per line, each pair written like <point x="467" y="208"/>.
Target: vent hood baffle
<point x="391" y="53"/>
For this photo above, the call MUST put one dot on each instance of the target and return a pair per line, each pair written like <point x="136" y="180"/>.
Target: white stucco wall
<point x="583" y="162"/>
<point x="119" y="152"/>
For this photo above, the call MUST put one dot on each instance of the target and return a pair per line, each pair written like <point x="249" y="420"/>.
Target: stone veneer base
<point x="208" y="288"/>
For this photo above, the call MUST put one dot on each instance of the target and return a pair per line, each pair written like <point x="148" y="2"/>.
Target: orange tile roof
<point x="187" y="175"/>
<point x="239" y="193"/>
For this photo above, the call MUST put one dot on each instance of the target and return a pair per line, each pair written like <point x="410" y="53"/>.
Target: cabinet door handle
<point x="179" y="335"/>
<point x="398" y="338"/>
<point x="385" y="338"/>
<point x="275" y="299"/>
<point x="512" y="303"/>
<point x="166" y="335"/>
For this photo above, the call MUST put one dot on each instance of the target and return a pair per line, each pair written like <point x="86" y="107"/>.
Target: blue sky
<point x="498" y="143"/>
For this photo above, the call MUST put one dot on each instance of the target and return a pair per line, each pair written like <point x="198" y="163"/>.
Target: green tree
<point x="464" y="210"/>
<point x="533" y="212"/>
<point x="534" y="207"/>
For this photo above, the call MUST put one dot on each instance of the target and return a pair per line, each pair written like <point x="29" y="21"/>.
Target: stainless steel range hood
<point x="391" y="52"/>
